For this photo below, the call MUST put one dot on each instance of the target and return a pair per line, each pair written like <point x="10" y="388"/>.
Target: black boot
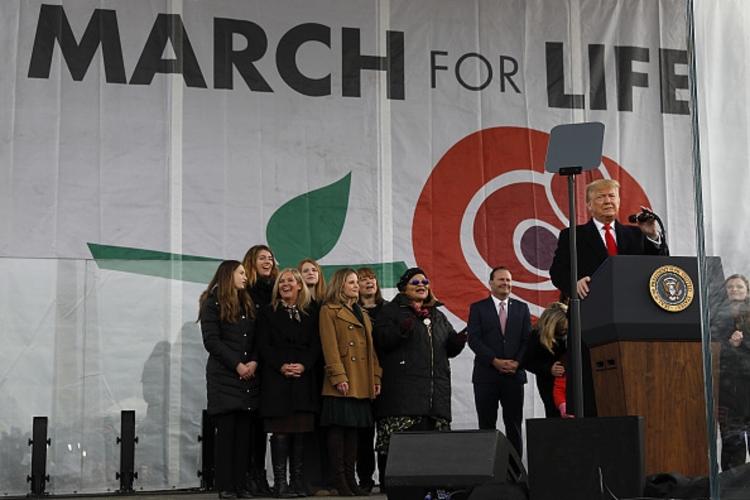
<point x="366" y="458"/>
<point x="382" y="462"/>
<point x="257" y="482"/>
<point x="251" y="485"/>
<point x="279" y="457"/>
<point x="335" y="440"/>
<point x="350" y="460"/>
<point x="296" y="466"/>
<point x="263" y="487"/>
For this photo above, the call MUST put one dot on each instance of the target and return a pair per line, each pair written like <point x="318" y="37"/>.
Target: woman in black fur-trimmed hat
<point x="414" y="341"/>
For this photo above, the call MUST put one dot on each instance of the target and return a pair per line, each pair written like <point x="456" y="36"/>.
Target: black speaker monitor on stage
<point x="585" y="458"/>
<point x="453" y="461"/>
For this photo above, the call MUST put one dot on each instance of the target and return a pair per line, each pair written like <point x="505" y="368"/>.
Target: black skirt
<point x="346" y="412"/>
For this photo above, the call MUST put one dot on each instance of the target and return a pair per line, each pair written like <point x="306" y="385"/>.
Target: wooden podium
<point x="648" y="361"/>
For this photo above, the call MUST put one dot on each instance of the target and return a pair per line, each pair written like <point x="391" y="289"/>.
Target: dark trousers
<point x="509" y="393"/>
<point x="232" y="444"/>
<point x="733" y="445"/>
<point x="258" y="444"/>
<point x="366" y="455"/>
<point x="317" y="462"/>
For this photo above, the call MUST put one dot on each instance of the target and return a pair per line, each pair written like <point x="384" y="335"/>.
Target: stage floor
<point x="188" y="495"/>
<point x="214" y="496"/>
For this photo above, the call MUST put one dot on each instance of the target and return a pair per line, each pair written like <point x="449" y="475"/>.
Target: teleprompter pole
<point x="572" y="149"/>
<point x="574" y="308"/>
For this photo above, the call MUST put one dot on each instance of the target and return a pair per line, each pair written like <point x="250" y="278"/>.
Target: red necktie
<point x="503" y="314"/>
<point x="610" y="239"/>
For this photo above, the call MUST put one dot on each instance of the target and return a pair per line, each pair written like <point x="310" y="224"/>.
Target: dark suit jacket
<point x="592" y="252"/>
<point x="488" y="343"/>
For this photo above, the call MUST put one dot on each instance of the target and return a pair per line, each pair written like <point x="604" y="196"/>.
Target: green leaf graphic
<point x="193" y="268"/>
<point x="310" y="224"/>
<point x="199" y="269"/>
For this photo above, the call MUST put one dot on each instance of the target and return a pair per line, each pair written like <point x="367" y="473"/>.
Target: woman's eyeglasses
<point x="424" y="282"/>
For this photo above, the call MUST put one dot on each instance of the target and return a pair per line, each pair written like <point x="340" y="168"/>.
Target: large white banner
<point x="142" y="140"/>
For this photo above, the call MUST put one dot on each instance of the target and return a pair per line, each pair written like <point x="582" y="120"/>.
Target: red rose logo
<point x="489" y="202"/>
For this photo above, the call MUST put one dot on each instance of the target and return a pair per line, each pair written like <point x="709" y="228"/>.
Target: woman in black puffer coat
<point x="227" y="323"/>
<point x="413" y="340"/>
<point x="261" y="273"/>
<point x="732" y="323"/>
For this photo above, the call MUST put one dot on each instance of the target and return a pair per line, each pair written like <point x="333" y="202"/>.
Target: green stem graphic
<point x="199" y="269"/>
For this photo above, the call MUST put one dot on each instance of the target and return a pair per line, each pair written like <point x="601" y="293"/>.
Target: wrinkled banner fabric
<point x="143" y="141"/>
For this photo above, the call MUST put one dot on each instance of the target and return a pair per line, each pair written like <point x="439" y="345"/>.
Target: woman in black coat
<point x="546" y="350"/>
<point x="318" y="471"/>
<point x="289" y="350"/>
<point x="261" y="274"/>
<point x="733" y="324"/>
<point x="371" y="301"/>
<point x="227" y="323"/>
<point x="413" y="340"/>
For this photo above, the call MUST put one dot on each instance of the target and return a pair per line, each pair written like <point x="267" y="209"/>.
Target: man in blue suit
<point x="499" y="328"/>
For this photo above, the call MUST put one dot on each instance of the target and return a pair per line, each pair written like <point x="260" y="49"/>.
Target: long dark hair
<point x="231" y="301"/>
<point x="742" y="311"/>
<point x="249" y="262"/>
<point x="744" y="280"/>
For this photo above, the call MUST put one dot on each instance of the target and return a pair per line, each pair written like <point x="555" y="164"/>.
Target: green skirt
<point x="346" y="412"/>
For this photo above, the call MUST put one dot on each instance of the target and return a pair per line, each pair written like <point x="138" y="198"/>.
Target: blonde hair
<point x="303" y="298"/>
<point x="335" y="288"/>
<point x="319" y="289"/>
<point x="600" y="185"/>
<point x="553" y="318"/>
<point x="249" y="262"/>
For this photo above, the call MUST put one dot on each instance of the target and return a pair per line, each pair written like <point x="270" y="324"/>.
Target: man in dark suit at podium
<point x="499" y="329"/>
<point x="601" y="237"/>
